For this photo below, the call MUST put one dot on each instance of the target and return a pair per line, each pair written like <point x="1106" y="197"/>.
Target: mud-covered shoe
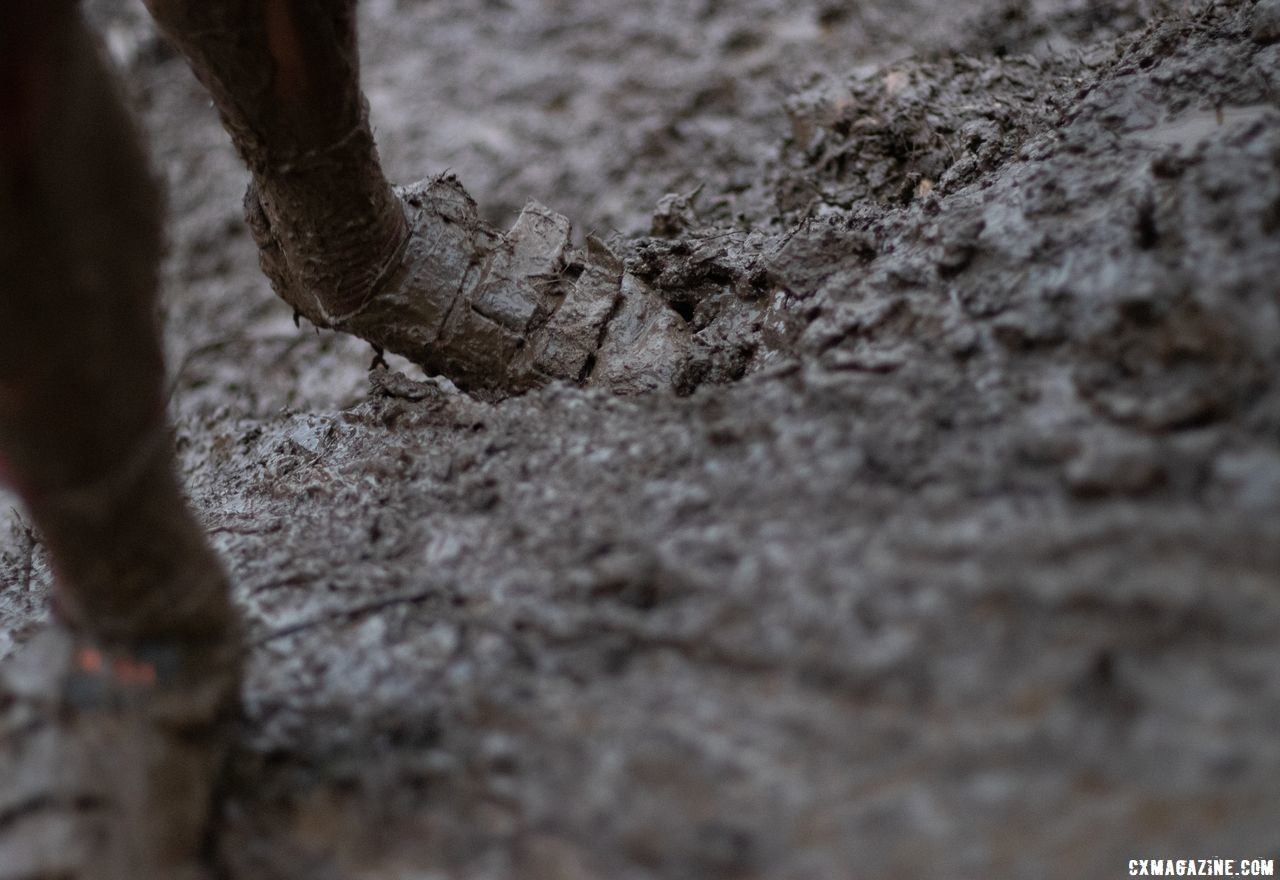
<point x="109" y="758"/>
<point x="496" y="313"/>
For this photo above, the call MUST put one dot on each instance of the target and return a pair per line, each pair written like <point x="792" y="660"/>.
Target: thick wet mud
<point x="956" y="547"/>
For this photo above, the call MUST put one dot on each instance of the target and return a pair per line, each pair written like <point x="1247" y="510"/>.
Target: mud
<point x="956" y="548"/>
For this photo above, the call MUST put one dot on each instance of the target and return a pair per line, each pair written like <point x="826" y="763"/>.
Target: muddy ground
<point x="956" y="552"/>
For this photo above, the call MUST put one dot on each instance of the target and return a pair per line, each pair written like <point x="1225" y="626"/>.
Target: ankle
<point x="131" y="561"/>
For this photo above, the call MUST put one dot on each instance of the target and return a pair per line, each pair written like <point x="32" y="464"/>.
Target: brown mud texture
<point x="953" y="550"/>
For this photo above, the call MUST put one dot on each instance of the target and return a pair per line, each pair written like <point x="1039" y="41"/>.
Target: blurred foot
<point x="109" y="758"/>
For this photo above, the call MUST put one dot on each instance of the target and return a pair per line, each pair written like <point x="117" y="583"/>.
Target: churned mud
<point x="955" y="548"/>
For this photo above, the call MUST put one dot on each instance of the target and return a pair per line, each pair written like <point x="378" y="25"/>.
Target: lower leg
<point x="82" y="431"/>
<point x="284" y="75"/>
<point x="414" y="271"/>
<point x="111" y="739"/>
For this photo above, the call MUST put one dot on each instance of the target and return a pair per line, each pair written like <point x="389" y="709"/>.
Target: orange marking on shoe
<point x="286" y="49"/>
<point x="131" y="672"/>
<point x="146" y="674"/>
<point x="89" y="660"/>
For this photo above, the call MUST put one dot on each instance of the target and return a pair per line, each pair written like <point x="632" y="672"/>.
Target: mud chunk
<point x="1171" y="366"/>
<point x="1266" y="21"/>
<point x="1251" y="479"/>
<point x="1047" y="446"/>
<point x="959" y="246"/>
<point x="865" y="358"/>
<point x="962" y="340"/>
<point x="1027" y="329"/>
<point x="673" y="215"/>
<point x="394" y="384"/>
<point x="1153" y="407"/>
<point x="1114" y="464"/>
<point x="534" y="250"/>
<point x="645" y="344"/>
<point x="573" y="333"/>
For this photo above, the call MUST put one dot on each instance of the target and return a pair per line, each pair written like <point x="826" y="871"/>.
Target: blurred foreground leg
<point x="111" y="728"/>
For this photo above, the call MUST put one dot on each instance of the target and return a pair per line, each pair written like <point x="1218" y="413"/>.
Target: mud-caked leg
<point x="111" y="729"/>
<point x="412" y="270"/>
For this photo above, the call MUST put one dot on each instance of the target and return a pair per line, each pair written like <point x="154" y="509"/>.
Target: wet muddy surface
<point x="957" y="543"/>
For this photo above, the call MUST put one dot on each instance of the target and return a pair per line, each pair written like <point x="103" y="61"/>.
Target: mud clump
<point x="892" y="134"/>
